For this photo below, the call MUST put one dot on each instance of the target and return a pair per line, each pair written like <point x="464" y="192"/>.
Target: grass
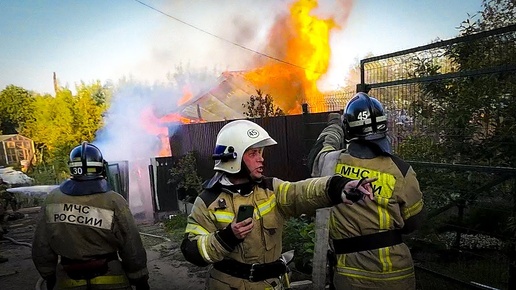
<point x="175" y="227"/>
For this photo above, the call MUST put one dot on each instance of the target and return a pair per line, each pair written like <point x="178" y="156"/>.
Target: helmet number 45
<point x="363" y="115"/>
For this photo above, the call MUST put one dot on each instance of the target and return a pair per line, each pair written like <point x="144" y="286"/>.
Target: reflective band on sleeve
<point x="79" y="214"/>
<point x="413" y="210"/>
<point x="201" y="243"/>
<point x="195" y="229"/>
<point x="282" y="192"/>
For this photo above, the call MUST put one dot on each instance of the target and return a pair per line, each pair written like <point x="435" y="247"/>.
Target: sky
<point x="89" y="40"/>
<point x="84" y="41"/>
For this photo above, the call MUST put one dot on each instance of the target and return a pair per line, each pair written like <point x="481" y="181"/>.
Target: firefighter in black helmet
<point x="90" y="230"/>
<point x="367" y="238"/>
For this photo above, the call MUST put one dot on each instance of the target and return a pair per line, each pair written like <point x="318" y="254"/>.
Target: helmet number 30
<point x="77" y="170"/>
<point x="363" y="115"/>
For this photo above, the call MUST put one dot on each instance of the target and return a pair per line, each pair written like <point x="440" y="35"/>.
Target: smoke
<point x="214" y="41"/>
<point x="132" y="129"/>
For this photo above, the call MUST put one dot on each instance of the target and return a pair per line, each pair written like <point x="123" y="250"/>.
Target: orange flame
<point x="187" y="96"/>
<point x="301" y="40"/>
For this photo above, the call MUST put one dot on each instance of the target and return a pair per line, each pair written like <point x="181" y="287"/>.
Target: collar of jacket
<point x="369" y="149"/>
<point x="243" y="189"/>
<point x="84" y="187"/>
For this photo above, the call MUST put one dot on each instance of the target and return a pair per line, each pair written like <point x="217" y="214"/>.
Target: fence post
<point x="512" y="249"/>
<point x="319" y="267"/>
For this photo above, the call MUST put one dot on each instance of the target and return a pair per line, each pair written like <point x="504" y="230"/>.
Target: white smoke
<point x="131" y="124"/>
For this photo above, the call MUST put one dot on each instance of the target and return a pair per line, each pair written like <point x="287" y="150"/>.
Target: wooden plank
<point x="319" y="270"/>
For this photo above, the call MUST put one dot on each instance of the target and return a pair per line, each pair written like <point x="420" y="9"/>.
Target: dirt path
<point x="167" y="267"/>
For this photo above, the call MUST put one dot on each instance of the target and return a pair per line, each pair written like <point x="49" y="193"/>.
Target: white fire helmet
<point x="232" y="141"/>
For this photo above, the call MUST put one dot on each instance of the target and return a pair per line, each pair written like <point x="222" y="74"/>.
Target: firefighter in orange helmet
<point x="367" y="237"/>
<point x="89" y="230"/>
<point x="245" y="255"/>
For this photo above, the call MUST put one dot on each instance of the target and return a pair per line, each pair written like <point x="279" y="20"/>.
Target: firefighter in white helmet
<point x="86" y="237"/>
<point x="367" y="238"/>
<point x="245" y="255"/>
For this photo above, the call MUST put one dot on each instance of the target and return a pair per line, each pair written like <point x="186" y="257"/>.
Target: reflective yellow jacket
<point x="398" y="206"/>
<point x="209" y="238"/>
<point x="81" y="227"/>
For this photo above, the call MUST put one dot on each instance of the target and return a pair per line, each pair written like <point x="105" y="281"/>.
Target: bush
<point x="176" y="226"/>
<point x="299" y="235"/>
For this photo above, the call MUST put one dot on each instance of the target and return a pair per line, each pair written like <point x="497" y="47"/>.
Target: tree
<point x="261" y="106"/>
<point x="471" y="120"/>
<point x="89" y="104"/>
<point x="15" y="109"/>
<point x="184" y="175"/>
<point x="60" y="123"/>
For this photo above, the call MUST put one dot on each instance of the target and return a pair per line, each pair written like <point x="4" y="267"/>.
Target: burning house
<point x="296" y="56"/>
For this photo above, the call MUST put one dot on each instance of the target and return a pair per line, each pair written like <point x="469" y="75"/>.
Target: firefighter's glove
<point x="141" y="284"/>
<point x="357" y="190"/>
<point x="51" y="281"/>
<point x="334" y="118"/>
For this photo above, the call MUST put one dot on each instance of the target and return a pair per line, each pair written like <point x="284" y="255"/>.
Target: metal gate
<point x="118" y="177"/>
<point x="164" y="192"/>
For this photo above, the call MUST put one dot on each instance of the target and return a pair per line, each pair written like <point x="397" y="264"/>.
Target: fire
<point x="187" y="96"/>
<point x="301" y="40"/>
<point x="159" y="127"/>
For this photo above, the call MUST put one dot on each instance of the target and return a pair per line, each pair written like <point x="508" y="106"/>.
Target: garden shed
<point x="16" y="149"/>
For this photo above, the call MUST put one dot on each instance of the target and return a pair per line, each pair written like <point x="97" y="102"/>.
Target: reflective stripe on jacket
<point x="273" y="200"/>
<point x="83" y="227"/>
<point x="397" y="198"/>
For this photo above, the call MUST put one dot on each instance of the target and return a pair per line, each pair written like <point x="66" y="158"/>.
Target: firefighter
<point x="245" y="254"/>
<point x="367" y="238"/>
<point x="86" y="237"/>
<point x="8" y="198"/>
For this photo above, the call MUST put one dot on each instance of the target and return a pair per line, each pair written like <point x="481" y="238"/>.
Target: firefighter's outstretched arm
<point x="306" y="196"/>
<point x="330" y="139"/>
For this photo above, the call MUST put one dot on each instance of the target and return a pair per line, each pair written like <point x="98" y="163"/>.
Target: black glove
<point x="141" y="284"/>
<point x="51" y="281"/>
<point x="354" y="195"/>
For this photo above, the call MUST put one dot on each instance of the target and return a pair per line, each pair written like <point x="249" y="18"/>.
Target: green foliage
<point x="470" y="120"/>
<point x="46" y="174"/>
<point x="299" y="235"/>
<point x="261" y="106"/>
<point x="176" y="226"/>
<point x="15" y="109"/>
<point x="184" y="174"/>
<point x="59" y="123"/>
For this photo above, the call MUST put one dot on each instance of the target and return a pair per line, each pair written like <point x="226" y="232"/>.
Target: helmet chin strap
<point x="243" y="176"/>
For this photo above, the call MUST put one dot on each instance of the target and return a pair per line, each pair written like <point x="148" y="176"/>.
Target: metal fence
<point x="468" y="241"/>
<point x="402" y="80"/>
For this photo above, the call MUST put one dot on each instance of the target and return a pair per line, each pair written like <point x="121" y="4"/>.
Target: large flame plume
<point x="301" y="41"/>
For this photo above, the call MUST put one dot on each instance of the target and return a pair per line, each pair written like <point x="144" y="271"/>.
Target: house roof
<point x="222" y="102"/>
<point x="9" y="136"/>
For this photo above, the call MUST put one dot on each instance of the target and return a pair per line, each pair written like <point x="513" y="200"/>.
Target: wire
<point x="226" y="40"/>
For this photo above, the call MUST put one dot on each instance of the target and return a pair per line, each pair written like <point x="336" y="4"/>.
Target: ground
<point x="167" y="267"/>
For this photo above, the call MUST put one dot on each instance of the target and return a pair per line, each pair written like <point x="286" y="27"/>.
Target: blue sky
<point x="87" y="40"/>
